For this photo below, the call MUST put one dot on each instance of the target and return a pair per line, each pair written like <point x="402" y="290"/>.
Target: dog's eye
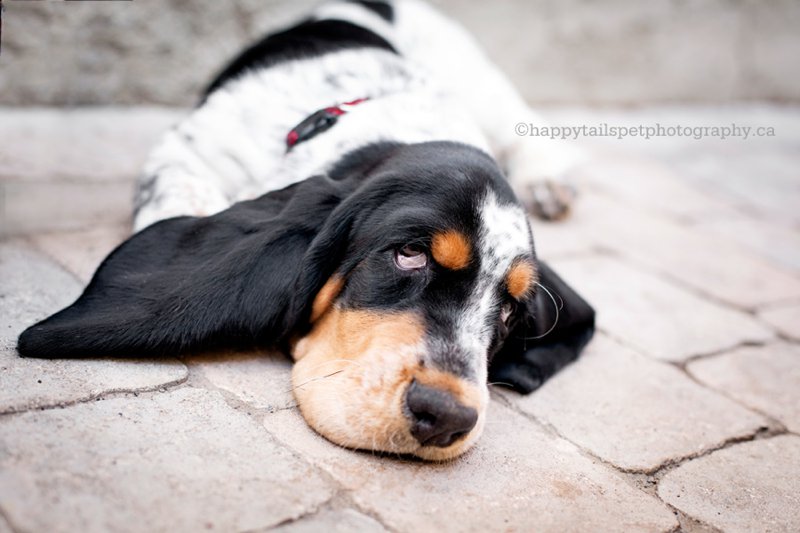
<point x="507" y="310"/>
<point x="410" y="257"/>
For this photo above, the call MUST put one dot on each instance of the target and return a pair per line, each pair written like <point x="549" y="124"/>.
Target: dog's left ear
<point x="239" y="279"/>
<point x="553" y="327"/>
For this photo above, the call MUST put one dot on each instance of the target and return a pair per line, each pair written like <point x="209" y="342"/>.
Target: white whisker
<point x="558" y="312"/>
<point x="318" y="378"/>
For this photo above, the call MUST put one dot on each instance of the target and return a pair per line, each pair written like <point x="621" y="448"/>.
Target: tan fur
<point x="451" y="249"/>
<point x="466" y="393"/>
<point x="351" y="375"/>
<point x="520" y="278"/>
<point x="325" y="297"/>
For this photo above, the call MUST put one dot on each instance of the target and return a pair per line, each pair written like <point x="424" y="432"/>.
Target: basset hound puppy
<point x="352" y="191"/>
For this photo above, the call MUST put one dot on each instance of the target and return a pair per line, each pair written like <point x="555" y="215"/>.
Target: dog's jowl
<point x="351" y="191"/>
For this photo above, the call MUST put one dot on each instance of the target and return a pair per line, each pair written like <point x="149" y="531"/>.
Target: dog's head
<point x="392" y="281"/>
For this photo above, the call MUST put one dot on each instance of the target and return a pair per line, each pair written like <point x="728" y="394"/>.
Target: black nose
<point x="437" y="418"/>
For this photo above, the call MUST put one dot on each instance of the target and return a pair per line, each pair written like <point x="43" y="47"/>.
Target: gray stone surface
<point x="262" y="380"/>
<point x="756" y="176"/>
<point x="180" y="461"/>
<point x="81" y="251"/>
<point x="618" y="173"/>
<point x="633" y="412"/>
<point x="751" y="486"/>
<point x="91" y="144"/>
<point x="566" y="51"/>
<point x="134" y="52"/>
<point x="646" y="312"/>
<point x="71" y="169"/>
<point x="766" y="378"/>
<point x="344" y="521"/>
<point x="559" y="240"/>
<point x="30" y="207"/>
<point x="772" y="241"/>
<point x="786" y="319"/>
<point x="519" y="477"/>
<point x="4" y="527"/>
<point x="33" y="287"/>
<point x="36" y="383"/>
<point x="710" y="266"/>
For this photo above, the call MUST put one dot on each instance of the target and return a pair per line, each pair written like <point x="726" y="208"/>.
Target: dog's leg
<point x="536" y="166"/>
<point x="176" y="182"/>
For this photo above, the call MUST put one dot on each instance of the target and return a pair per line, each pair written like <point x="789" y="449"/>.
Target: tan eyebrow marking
<point x="451" y="249"/>
<point x="520" y="278"/>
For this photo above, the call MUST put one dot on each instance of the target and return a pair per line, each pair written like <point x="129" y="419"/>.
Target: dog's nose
<point x="437" y="417"/>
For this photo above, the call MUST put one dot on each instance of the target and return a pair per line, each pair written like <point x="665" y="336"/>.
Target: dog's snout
<point x="437" y="417"/>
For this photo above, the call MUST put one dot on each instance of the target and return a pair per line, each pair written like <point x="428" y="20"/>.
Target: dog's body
<point x="425" y="78"/>
<point x="378" y="242"/>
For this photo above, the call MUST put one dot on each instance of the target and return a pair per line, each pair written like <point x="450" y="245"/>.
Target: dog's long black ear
<point x="550" y="333"/>
<point x="225" y="281"/>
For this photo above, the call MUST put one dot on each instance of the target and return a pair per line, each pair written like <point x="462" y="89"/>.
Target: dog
<point x="352" y="192"/>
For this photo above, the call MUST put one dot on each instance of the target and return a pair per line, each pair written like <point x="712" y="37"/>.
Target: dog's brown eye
<point x="410" y="257"/>
<point x="506" y="311"/>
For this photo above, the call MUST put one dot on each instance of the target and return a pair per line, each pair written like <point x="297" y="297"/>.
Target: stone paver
<point x="31" y="207"/>
<point x="71" y="169"/>
<point x="710" y="265"/>
<point x="762" y="179"/>
<point x="33" y="287"/>
<point x="93" y="144"/>
<point x="757" y="176"/>
<point x="619" y="174"/>
<point x="4" y="527"/>
<point x="517" y="478"/>
<point x="753" y="486"/>
<point x="766" y="378"/>
<point x="786" y="319"/>
<point x="633" y="412"/>
<point x="564" y="238"/>
<point x="35" y="383"/>
<point x="658" y="318"/>
<point x="181" y="461"/>
<point x="775" y="242"/>
<point x="344" y="521"/>
<point x="259" y="379"/>
<point x="575" y="52"/>
<point x="81" y="251"/>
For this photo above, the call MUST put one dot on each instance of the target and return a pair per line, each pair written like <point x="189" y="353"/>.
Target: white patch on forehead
<point x="504" y="232"/>
<point x="503" y="237"/>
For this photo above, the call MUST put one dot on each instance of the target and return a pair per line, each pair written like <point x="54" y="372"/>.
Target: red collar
<point x="318" y="122"/>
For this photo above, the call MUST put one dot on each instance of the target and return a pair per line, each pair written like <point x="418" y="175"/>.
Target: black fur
<point x="308" y="39"/>
<point x="382" y="9"/>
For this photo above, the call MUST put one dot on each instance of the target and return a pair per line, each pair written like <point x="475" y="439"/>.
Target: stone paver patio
<point x="683" y="414"/>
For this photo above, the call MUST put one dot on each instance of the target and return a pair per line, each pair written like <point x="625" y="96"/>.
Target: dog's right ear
<point x="551" y="331"/>
<point x="231" y="280"/>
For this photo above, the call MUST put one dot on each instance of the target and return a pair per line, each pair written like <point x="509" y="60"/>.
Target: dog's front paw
<point x="531" y="369"/>
<point x="520" y="376"/>
<point x="540" y="174"/>
<point x="548" y="199"/>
